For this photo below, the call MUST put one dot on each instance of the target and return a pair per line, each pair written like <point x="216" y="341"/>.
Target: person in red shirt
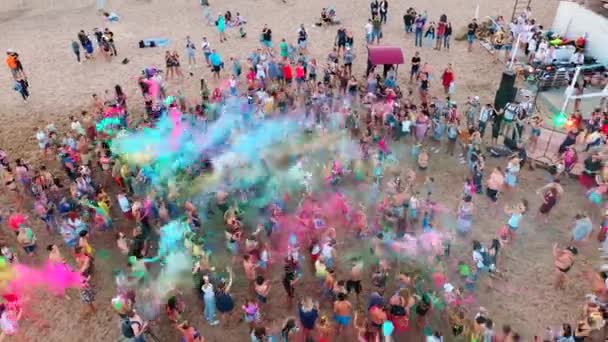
<point x="580" y="42"/>
<point x="250" y="79"/>
<point x="441" y="25"/>
<point x="300" y="75"/>
<point x="287" y="73"/>
<point x="447" y="78"/>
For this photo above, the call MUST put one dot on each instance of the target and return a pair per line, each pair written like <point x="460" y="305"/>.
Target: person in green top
<point x="221" y="27"/>
<point x="376" y="29"/>
<point x="284" y="49"/>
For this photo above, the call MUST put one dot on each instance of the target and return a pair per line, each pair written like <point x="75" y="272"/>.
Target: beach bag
<point x="127" y="329"/>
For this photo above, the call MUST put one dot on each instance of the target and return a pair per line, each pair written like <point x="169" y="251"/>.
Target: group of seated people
<point x="328" y="17"/>
<point x="234" y="21"/>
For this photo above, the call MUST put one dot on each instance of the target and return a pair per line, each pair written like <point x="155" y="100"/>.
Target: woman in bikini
<point x="11" y="185"/>
<point x="563" y="261"/>
<point x="169" y="63"/>
<point x="400" y="304"/>
<point x="176" y="65"/>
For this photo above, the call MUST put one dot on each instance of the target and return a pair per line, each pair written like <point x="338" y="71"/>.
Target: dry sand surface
<point x="41" y="31"/>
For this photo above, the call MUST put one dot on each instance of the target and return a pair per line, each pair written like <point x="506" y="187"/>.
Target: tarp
<point x="378" y="55"/>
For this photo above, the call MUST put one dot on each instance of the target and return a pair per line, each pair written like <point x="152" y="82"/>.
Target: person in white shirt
<point x="577" y="58"/>
<point x="260" y="72"/>
<point x="43" y="139"/>
<point x="513" y="28"/>
<point x="76" y="126"/>
<point x="436" y="337"/>
<point x="206" y="47"/>
<point x="527" y="105"/>
<point x="543" y="44"/>
<point x="368" y="31"/>
<point x="232" y="83"/>
<point x="328" y="253"/>
<point x="531" y="48"/>
<point x="549" y="55"/>
<point x="539" y="56"/>
<point x="508" y="121"/>
<point x="527" y="13"/>
<point x="479" y="253"/>
<point x="484" y="115"/>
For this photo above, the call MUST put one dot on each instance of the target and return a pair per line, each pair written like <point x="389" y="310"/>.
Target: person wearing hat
<point x="563" y="261"/>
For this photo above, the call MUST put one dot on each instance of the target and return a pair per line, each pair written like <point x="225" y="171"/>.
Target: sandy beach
<point x="42" y="31"/>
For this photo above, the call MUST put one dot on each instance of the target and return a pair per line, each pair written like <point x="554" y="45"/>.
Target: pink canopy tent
<point x="378" y="55"/>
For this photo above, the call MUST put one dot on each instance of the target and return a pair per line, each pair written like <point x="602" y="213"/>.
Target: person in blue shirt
<point x="236" y="67"/>
<point x="515" y="213"/>
<point x="419" y="23"/>
<point x="216" y="63"/>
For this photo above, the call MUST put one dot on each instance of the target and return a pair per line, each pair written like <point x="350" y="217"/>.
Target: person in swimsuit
<point x="224" y="302"/>
<point x="342" y="312"/>
<point x="262" y="288"/>
<point x="536" y="123"/>
<point x="563" y="261"/>
<point x="515" y="213"/>
<point x="11" y="185"/>
<point x="495" y="184"/>
<point x="354" y="283"/>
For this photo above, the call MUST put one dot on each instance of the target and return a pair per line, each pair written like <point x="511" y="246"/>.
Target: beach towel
<point x="155" y="42"/>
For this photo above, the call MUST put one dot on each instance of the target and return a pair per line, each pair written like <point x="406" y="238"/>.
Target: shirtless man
<point x="342" y="313"/>
<point x="354" y="283"/>
<point x="262" y="288"/>
<point x="495" y="185"/>
<point x="250" y="272"/>
<point x="98" y="106"/>
<point x="563" y="261"/>
<point x="55" y="255"/>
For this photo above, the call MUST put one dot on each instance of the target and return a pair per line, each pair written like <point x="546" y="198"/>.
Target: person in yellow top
<point x="83" y="242"/>
<point x="103" y="202"/>
<point x="6" y="273"/>
<point x="125" y="173"/>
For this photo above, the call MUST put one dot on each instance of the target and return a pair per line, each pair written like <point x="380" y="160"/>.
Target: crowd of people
<point x="82" y="182"/>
